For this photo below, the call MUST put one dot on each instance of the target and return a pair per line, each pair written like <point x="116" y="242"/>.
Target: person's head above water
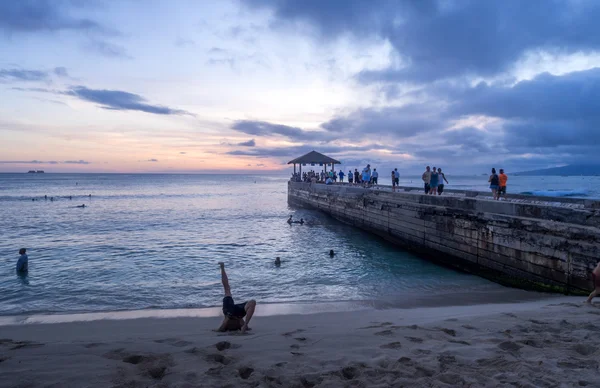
<point x="331" y="253"/>
<point x="22" y="251"/>
<point x="277" y="261"/>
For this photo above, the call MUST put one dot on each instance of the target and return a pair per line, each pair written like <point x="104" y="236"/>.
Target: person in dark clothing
<point x="234" y="313"/>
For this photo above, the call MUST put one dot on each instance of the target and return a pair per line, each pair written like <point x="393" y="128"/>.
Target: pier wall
<point x="525" y="244"/>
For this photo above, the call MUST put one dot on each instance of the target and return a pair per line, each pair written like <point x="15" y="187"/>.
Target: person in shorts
<point x="350" y="177"/>
<point x="396" y="177"/>
<point x="393" y="182"/>
<point x="426" y="179"/>
<point x="494" y="181"/>
<point x="234" y="313"/>
<point x="502" y="179"/>
<point x="374" y="176"/>
<point x="442" y="179"/>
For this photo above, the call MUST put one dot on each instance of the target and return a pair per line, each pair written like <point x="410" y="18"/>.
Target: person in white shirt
<point x="374" y="176"/>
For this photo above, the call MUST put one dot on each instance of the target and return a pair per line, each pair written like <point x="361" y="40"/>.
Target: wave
<point x="557" y="193"/>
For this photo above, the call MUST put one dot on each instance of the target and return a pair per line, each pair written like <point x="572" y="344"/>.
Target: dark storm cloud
<point x="445" y="39"/>
<point x="120" y="100"/>
<point x="45" y="15"/>
<point x="9" y="75"/>
<point x="401" y="121"/>
<point x="263" y="128"/>
<point x="295" y="151"/>
<point x="547" y="111"/>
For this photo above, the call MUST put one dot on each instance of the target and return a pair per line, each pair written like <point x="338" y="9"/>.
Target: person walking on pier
<point x="442" y="179"/>
<point x="426" y="179"/>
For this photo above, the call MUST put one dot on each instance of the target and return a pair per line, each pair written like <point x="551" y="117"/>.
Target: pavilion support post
<point x="294" y="168"/>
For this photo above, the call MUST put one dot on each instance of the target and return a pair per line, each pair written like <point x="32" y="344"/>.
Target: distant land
<point x="573" y="169"/>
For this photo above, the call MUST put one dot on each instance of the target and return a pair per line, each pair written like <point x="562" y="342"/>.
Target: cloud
<point x="43" y="162"/>
<point x="120" y="100"/>
<point x="61" y="71"/>
<point x="76" y="162"/>
<point x="45" y="15"/>
<point x="249" y="143"/>
<point x="263" y="128"/>
<point x="10" y="75"/>
<point x="445" y="39"/>
<point x="182" y="42"/>
<point x="107" y="49"/>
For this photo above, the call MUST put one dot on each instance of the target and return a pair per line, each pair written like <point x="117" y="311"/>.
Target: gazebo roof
<point x="314" y="157"/>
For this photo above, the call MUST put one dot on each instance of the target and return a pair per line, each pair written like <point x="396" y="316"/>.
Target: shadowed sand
<point x="532" y="344"/>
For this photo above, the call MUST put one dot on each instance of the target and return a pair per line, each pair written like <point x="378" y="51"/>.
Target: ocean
<point x="151" y="241"/>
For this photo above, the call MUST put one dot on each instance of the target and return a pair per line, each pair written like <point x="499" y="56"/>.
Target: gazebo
<point x="314" y="158"/>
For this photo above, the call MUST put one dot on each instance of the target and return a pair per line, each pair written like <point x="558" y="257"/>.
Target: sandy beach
<point x="549" y="343"/>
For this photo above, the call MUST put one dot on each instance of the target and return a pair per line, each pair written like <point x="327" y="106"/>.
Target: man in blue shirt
<point x="23" y="262"/>
<point x="341" y="175"/>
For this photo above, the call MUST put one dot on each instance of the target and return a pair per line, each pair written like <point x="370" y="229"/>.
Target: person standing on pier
<point x="426" y="179"/>
<point x="502" y="178"/>
<point x="374" y="176"/>
<point x="494" y="183"/>
<point x="393" y="182"/>
<point x="341" y="175"/>
<point x="396" y="176"/>
<point x="434" y="181"/>
<point x="356" y="176"/>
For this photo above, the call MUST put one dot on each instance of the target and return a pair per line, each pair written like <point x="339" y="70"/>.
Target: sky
<point x="245" y="86"/>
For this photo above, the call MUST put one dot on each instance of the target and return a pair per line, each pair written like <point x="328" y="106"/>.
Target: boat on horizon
<point x="35" y="172"/>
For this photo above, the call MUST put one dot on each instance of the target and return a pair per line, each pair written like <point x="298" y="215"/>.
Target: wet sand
<point x="550" y="342"/>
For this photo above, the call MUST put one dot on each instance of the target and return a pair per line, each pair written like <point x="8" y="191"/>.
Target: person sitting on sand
<point x="23" y="262"/>
<point x="596" y="281"/>
<point x="234" y="313"/>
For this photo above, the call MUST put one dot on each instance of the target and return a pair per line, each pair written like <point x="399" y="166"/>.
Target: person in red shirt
<point x="502" y="186"/>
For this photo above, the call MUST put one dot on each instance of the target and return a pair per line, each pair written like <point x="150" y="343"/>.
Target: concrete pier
<point x="527" y="242"/>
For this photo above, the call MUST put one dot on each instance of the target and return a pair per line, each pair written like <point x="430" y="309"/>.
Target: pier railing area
<point x="526" y="241"/>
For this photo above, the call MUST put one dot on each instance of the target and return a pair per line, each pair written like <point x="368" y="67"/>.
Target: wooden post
<point x="294" y="168"/>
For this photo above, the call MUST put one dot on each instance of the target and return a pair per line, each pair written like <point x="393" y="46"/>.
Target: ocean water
<point x="153" y="242"/>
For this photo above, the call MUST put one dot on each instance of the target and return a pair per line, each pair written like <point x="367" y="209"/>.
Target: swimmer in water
<point x="277" y="262"/>
<point x="81" y="205"/>
<point x="331" y="253"/>
<point x="289" y="221"/>
<point x="301" y="221"/>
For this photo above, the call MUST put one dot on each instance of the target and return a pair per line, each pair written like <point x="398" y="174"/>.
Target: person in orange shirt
<point x="502" y="187"/>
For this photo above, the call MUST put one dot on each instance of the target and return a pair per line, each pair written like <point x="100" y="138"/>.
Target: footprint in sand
<point x="134" y="359"/>
<point x="291" y="333"/>
<point x="295" y="346"/>
<point x="584" y="350"/>
<point x="2" y="359"/>
<point x="93" y="345"/>
<point x="219" y="358"/>
<point x="14" y="345"/>
<point x="377" y="325"/>
<point x="509" y="346"/>
<point x="224" y="345"/>
<point x="385" y="332"/>
<point x="301" y="339"/>
<point x="469" y="327"/>
<point x="245" y="372"/>
<point x="174" y="342"/>
<point x="448" y="331"/>
<point x="297" y="353"/>
<point x="392" y="345"/>
<point x="415" y="339"/>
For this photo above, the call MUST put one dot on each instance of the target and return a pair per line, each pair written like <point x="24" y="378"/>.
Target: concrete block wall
<point x="519" y="244"/>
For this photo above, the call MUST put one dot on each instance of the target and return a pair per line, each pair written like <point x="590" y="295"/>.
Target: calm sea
<point x="153" y="241"/>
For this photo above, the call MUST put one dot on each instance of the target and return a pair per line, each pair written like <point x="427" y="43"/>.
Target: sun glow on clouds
<point x="249" y="85"/>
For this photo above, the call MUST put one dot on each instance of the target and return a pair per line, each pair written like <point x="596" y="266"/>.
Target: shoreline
<point x="551" y="342"/>
<point x="496" y="296"/>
